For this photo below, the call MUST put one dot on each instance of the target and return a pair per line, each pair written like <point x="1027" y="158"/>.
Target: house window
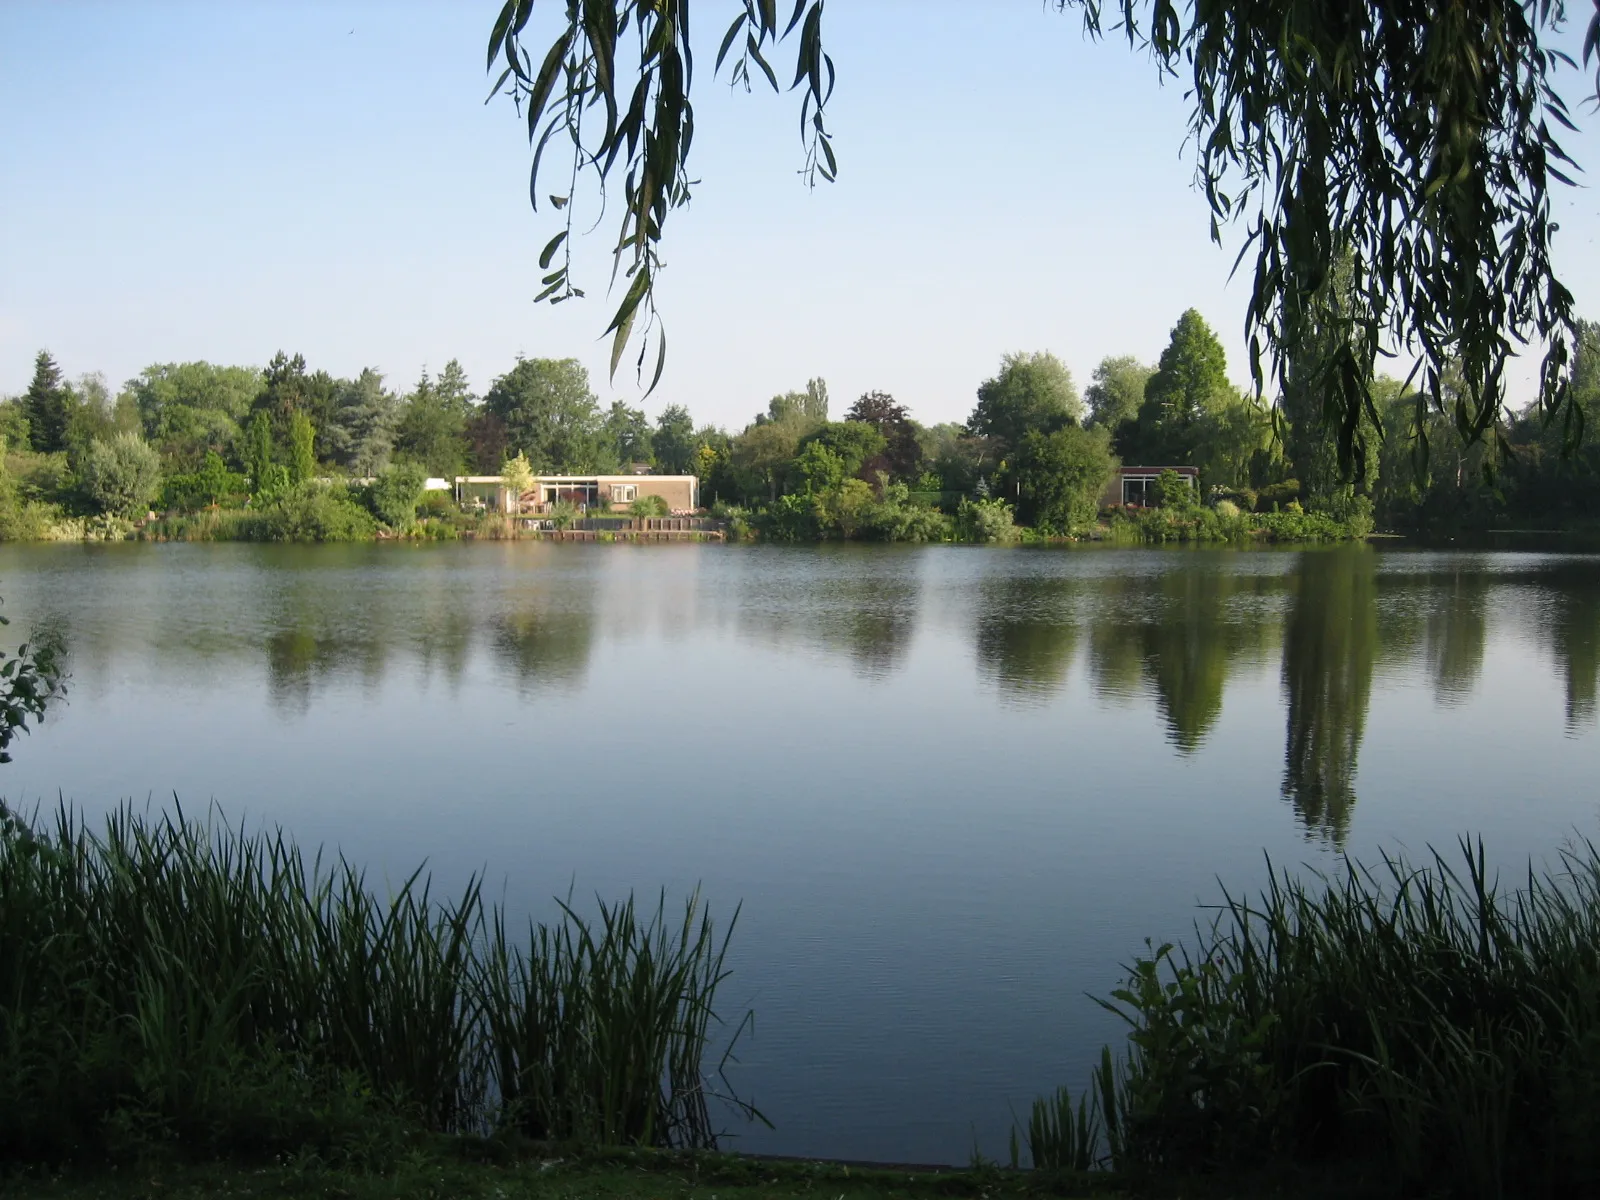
<point x="1138" y="489"/>
<point x="623" y="493"/>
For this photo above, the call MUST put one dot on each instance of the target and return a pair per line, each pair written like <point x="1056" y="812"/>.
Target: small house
<point x="1135" y="487"/>
<point x="680" y="492"/>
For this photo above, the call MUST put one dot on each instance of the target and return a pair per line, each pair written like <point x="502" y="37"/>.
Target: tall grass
<point x="1421" y="1019"/>
<point x="168" y="981"/>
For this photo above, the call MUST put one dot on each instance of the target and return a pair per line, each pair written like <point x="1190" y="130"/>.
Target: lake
<point x="954" y="788"/>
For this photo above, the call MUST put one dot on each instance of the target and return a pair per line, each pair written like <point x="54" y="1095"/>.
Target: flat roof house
<point x="1136" y="486"/>
<point x="681" y="492"/>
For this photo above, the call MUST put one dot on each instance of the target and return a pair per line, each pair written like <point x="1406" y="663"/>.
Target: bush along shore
<point x="171" y="988"/>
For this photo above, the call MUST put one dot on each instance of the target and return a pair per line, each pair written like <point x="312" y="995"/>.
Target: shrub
<point x="1174" y="491"/>
<point x="649" y="506"/>
<point x="1276" y="495"/>
<point x="788" y="519"/>
<point x="394" y="495"/>
<point x="438" y="504"/>
<point x="209" y="486"/>
<point x="312" y="512"/>
<point x="495" y="527"/>
<point x="985" y="521"/>
<point x="120" y="476"/>
<point x="563" y="513"/>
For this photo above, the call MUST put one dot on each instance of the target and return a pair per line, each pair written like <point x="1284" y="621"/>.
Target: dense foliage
<point x="1411" y="144"/>
<point x="164" y="982"/>
<point x="1419" y="1020"/>
<point x="233" y="452"/>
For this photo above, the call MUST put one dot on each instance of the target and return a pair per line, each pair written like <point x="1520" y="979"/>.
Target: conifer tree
<point x="48" y="404"/>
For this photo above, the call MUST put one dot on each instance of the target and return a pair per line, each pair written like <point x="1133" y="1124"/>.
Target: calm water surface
<point x="953" y="788"/>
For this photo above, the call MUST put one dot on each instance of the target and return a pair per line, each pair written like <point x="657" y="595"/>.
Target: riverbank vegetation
<point x="179" y="992"/>
<point x="1415" y="1018"/>
<point x="169" y="983"/>
<point x="202" y="452"/>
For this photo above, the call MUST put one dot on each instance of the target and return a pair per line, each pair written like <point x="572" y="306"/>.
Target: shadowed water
<point x="954" y="788"/>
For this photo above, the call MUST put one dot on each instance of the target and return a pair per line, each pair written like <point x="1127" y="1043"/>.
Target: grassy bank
<point x="164" y="983"/>
<point x="173" y="992"/>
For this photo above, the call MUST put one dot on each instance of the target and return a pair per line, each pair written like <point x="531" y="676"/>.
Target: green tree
<point x="818" y="469"/>
<point x="188" y="410"/>
<point x="362" y="437"/>
<point x="91" y="414"/>
<point x="902" y="453"/>
<point x="961" y="460"/>
<point x="550" y="414"/>
<point x="1057" y="478"/>
<point x="487" y="441"/>
<point x="1330" y="363"/>
<point x="121" y="476"/>
<point x="432" y="427"/>
<point x="858" y="445"/>
<point x="208" y="486"/>
<point x="518" y="475"/>
<point x="1231" y="438"/>
<point x="809" y="407"/>
<point x="1190" y="380"/>
<point x="1116" y="390"/>
<point x="13" y="422"/>
<point x="1033" y="393"/>
<point x="395" y="494"/>
<point x="674" y="440"/>
<point x="1336" y="129"/>
<point x="48" y="404"/>
<point x="628" y="432"/>
<point x="258" y="452"/>
<point x="302" y="448"/>
<point x="761" y="457"/>
<point x="288" y="388"/>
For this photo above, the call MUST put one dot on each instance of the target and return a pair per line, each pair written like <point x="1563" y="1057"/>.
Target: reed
<point x="1422" y="1018"/>
<point x="163" y="980"/>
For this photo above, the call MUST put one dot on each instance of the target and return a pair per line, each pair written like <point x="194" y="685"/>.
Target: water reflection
<point x="1181" y="636"/>
<point x="856" y="606"/>
<point x="1329" y="644"/>
<point x="1575" y="638"/>
<point x="544" y="644"/>
<point x="1025" y="632"/>
<point x="1169" y="634"/>
<point x="299" y="659"/>
<point x="1457" y="631"/>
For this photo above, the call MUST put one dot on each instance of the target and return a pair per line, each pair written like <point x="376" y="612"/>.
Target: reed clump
<point x="167" y="982"/>
<point x="1421" y="1019"/>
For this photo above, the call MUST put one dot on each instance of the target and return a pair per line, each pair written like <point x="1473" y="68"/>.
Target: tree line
<point x="1034" y="450"/>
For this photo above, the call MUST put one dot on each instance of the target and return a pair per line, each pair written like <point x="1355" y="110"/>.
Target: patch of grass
<point x="1419" y="1019"/>
<point x="169" y="984"/>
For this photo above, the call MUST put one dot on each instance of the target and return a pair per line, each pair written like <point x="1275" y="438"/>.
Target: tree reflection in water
<point x="1025" y="633"/>
<point x="1328" y="648"/>
<point x="1181" y="639"/>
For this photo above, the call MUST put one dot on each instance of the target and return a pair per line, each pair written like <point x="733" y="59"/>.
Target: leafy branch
<point x="1410" y="145"/>
<point x="646" y="133"/>
<point x="30" y="678"/>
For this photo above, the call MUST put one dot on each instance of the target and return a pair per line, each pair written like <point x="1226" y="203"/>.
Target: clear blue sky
<point x="219" y="181"/>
